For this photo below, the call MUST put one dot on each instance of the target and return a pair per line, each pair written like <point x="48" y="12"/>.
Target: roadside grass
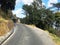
<point x="5" y="26"/>
<point x="55" y="38"/>
<point x="31" y="26"/>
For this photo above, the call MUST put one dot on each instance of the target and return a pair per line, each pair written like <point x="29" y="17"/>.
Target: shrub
<point x="51" y="30"/>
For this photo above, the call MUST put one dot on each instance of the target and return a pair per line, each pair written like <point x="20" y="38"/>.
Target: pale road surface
<point x="28" y="36"/>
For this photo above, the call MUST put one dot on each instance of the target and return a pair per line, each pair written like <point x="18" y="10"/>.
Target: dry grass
<point x="55" y="38"/>
<point x="31" y="26"/>
<point x="5" y="26"/>
<point x="10" y="24"/>
<point x="58" y="33"/>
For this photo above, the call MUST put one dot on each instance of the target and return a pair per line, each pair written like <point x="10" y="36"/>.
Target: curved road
<point x="26" y="36"/>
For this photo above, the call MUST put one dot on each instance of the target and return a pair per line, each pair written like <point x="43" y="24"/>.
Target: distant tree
<point x="14" y="18"/>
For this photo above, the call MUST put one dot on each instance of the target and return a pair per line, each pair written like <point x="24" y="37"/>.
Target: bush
<point x="58" y="33"/>
<point x="51" y="30"/>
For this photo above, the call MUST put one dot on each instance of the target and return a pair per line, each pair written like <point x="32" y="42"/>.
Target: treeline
<point x="41" y="17"/>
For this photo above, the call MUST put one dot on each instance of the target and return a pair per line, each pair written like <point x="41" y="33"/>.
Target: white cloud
<point x="43" y="3"/>
<point x="24" y="1"/>
<point x="27" y="1"/>
<point x="51" y="1"/>
<point x="19" y="13"/>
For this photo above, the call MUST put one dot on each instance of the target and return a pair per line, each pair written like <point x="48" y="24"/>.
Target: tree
<point x="57" y="5"/>
<point x="56" y="14"/>
<point x="28" y="12"/>
<point x="32" y="12"/>
<point x="57" y="20"/>
<point x="41" y="17"/>
<point x="7" y="5"/>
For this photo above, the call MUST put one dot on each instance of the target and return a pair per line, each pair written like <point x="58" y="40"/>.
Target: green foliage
<point x="57" y="18"/>
<point x="57" y="14"/>
<point x="42" y="17"/>
<point x="7" y="15"/>
<point x="7" y="5"/>
<point x="51" y="30"/>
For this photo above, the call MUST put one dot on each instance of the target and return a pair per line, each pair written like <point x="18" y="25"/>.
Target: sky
<point x="19" y="3"/>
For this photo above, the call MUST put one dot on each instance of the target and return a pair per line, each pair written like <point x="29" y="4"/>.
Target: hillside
<point x="5" y="26"/>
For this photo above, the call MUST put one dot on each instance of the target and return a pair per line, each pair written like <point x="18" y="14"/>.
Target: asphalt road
<point x="26" y="36"/>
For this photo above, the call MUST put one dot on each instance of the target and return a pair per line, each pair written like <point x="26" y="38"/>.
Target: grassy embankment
<point x="55" y="38"/>
<point x="5" y="26"/>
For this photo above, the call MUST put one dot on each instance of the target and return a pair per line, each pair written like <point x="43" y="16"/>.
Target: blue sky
<point x="19" y="3"/>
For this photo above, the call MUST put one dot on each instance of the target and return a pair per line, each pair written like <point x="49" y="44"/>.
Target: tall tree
<point x="57" y="19"/>
<point x="28" y="12"/>
<point x="7" y="4"/>
<point x="40" y="17"/>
